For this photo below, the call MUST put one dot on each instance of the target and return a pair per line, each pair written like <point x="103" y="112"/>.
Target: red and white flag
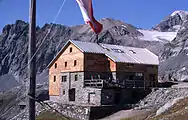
<point x="87" y="13"/>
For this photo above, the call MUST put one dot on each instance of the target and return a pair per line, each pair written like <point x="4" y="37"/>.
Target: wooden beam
<point x="32" y="59"/>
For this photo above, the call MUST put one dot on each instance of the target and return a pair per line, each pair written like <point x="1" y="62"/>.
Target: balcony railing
<point x="100" y="83"/>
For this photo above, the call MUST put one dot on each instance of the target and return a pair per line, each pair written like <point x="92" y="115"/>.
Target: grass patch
<point x="50" y="116"/>
<point x="142" y="116"/>
<point x="179" y="111"/>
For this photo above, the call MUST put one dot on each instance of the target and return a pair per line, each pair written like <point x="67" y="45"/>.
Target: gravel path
<point x="125" y="114"/>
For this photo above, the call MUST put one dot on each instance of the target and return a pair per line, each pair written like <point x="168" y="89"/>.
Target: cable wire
<point x="49" y="30"/>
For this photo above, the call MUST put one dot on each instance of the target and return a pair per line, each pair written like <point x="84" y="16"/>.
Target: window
<point x="55" y="65"/>
<point x="117" y="50"/>
<point x="72" y="94"/>
<point x="76" y="77"/>
<point x="104" y="47"/>
<point x="63" y="92"/>
<point x="95" y="76"/>
<point x="65" y="64"/>
<point x="138" y="74"/>
<point x="75" y="62"/>
<point x="70" y="49"/>
<point x="153" y="80"/>
<point x="54" y="78"/>
<point x="64" y="78"/>
<point x="132" y="51"/>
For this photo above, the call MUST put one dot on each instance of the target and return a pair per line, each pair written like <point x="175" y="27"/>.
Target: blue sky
<point x="140" y="13"/>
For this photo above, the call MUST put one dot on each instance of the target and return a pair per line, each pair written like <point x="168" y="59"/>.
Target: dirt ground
<point x="126" y="114"/>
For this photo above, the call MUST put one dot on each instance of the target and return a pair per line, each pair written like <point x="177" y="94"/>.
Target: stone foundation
<point x="80" y="112"/>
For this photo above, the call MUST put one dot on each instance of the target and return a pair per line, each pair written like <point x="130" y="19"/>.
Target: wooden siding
<point x="125" y="67"/>
<point x="66" y="56"/>
<point x="146" y="69"/>
<point x="98" y="63"/>
<point x="112" y="65"/>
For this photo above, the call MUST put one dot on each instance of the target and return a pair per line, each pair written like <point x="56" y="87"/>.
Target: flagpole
<point x="97" y="37"/>
<point x="32" y="63"/>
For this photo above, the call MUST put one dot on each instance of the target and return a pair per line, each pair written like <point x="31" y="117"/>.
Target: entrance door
<point x="117" y="97"/>
<point x="153" y="80"/>
<point x="72" y="94"/>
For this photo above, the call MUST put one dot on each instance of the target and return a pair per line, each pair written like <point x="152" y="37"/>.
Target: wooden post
<point x="31" y="59"/>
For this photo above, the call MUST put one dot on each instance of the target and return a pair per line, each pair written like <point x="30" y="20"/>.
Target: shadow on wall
<point x="139" y="95"/>
<point x="125" y="99"/>
<point x="43" y="95"/>
<point x="132" y="96"/>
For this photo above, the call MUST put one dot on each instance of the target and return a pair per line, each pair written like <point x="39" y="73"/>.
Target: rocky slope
<point x="160" y="97"/>
<point x="160" y="104"/>
<point x="168" y="40"/>
<point x="173" y="59"/>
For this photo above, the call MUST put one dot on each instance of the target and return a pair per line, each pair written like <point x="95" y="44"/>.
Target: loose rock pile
<point x="158" y="98"/>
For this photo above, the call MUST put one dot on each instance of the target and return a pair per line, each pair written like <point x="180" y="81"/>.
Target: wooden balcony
<point x="97" y="83"/>
<point x="100" y="83"/>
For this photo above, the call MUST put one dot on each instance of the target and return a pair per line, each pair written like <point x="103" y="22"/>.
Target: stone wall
<point x="89" y="96"/>
<point x="55" y="99"/>
<point x="70" y="83"/>
<point x="83" y="95"/>
<point x="71" y="111"/>
<point x="79" y="112"/>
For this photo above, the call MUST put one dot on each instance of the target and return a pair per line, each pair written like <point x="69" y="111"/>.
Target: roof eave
<point x="136" y="63"/>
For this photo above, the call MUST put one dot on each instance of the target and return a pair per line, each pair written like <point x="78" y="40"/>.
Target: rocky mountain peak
<point x="18" y="27"/>
<point x="175" y="54"/>
<point x="173" y="22"/>
<point x="181" y="13"/>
